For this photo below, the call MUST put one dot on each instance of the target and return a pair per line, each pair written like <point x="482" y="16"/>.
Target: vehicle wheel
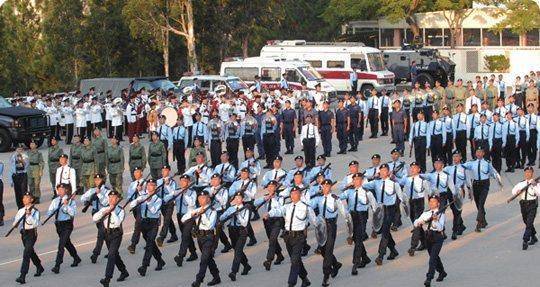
<point x="5" y="140"/>
<point x="423" y="78"/>
<point x="38" y="141"/>
<point x="366" y="89"/>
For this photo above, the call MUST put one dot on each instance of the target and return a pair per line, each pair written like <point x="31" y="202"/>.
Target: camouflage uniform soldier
<point x="54" y="157"/>
<point x="100" y="145"/>
<point x="449" y="93"/>
<point x="35" y="171"/>
<point x="137" y="156"/>
<point x="440" y="96"/>
<point x="115" y="164"/>
<point x="492" y="94"/>
<point x="76" y="162"/>
<point x="157" y="156"/>
<point x="88" y="169"/>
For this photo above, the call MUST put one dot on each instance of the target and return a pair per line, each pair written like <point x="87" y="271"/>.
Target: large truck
<point x="431" y="66"/>
<point x="335" y="61"/>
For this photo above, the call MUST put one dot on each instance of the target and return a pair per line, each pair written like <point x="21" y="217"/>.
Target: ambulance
<point x="335" y="61"/>
<point x="271" y="69"/>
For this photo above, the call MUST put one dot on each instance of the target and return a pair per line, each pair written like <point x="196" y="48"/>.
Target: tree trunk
<point x="190" y="39"/>
<point x="245" y="46"/>
<point x="415" y="29"/>
<point x="165" y="43"/>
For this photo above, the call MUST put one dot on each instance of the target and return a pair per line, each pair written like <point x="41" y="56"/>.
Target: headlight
<point x="16" y="124"/>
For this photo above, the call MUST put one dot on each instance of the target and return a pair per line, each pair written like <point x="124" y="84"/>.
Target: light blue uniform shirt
<point x="165" y="189"/>
<point x="274" y="174"/>
<point x="496" y="132"/>
<point x="227" y="171"/>
<point x="66" y="212"/>
<point x="385" y="190"/>
<point x="480" y="169"/>
<point x="313" y="173"/>
<point x="357" y="199"/>
<point x="437" y="127"/>
<point x="459" y="123"/>
<point x="165" y="134"/>
<point x="481" y="132"/>
<point x="523" y="125"/>
<point x="440" y="181"/>
<point x="240" y="219"/>
<point x="510" y="129"/>
<point x="327" y="205"/>
<point x="273" y="206"/>
<point x="149" y="208"/>
<point x="290" y="176"/>
<point x="415" y="187"/>
<point x="249" y="187"/>
<point x="102" y="198"/>
<point x="458" y="175"/>
<point x="398" y="168"/>
<point x="200" y="129"/>
<point x="420" y="129"/>
<point x="180" y="133"/>
<point x="184" y="202"/>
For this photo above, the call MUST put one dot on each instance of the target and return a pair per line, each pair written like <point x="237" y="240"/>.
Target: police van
<point x="271" y="70"/>
<point x="335" y="61"/>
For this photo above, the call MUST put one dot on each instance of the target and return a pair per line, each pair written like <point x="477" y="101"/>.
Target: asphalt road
<point x="491" y="258"/>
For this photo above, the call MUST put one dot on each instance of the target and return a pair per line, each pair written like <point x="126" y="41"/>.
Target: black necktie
<point x="438" y="180"/>
<point x="383" y="188"/>
<point x="324" y="207"/>
<point x="292" y="217"/>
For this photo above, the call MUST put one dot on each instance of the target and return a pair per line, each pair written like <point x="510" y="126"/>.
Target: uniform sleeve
<point x="188" y="216"/>
<point x="70" y="209"/>
<point x="98" y="215"/>
<point x="52" y="208"/>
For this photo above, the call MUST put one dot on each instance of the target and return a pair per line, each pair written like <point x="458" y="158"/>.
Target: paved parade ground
<point x="491" y="258"/>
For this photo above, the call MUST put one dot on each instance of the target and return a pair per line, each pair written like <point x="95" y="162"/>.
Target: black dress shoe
<point x="421" y="247"/>
<point x="534" y="239"/>
<point x="39" y="271"/>
<point x="454" y="235"/>
<point x="365" y="260"/>
<point x="267" y="264"/>
<point x="411" y="252"/>
<point x="105" y="282"/>
<point x="192" y="257"/>
<point x="461" y="229"/>
<point x="196" y="283"/>
<point x="251" y="242"/>
<point x="305" y="282"/>
<point x="441" y="276"/>
<point x="525" y="245"/>
<point x="123" y="276"/>
<point x="131" y="249"/>
<point x="427" y="283"/>
<point x="214" y="281"/>
<point x="56" y="269"/>
<point x="393" y="255"/>
<point x="246" y="269"/>
<point x="93" y="258"/>
<point x="336" y="269"/>
<point x="279" y="259"/>
<point x="226" y="249"/>
<point x="232" y="276"/>
<point x="325" y="281"/>
<point x="142" y="270"/>
<point x="340" y="152"/>
<point x="178" y="260"/>
<point x="354" y="270"/>
<point x="160" y="265"/>
<point x="76" y="262"/>
<point x="20" y="280"/>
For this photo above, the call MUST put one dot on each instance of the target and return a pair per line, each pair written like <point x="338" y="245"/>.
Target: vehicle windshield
<point x="165" y="85"/>
<point x="4" y="103"/>
<point x="309" y="73"/>
<point x="376" y="62"/>
<point x="237" y="84"/>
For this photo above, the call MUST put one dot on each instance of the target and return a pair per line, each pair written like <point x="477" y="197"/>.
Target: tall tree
<point x="62" y="56"/>
<point x="521" y="16"/>
<point x="342" y="11"/>
<point x="397" y="10"/>
<point x="454" y="12"/>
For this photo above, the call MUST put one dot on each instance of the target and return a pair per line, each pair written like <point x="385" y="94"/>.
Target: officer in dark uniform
<point x="326" y="128"/>
<point x="374" y="112"/>
<point x="268" y="132"/>
<point x="215" y="127"/>
<point x="289" y="126"/>
<point x="343" y="124"/>
<point x="355" y="113"/>
<point x="385" y="108"/>
<point x="399" y="122"/>
<point x="496" y="142"/>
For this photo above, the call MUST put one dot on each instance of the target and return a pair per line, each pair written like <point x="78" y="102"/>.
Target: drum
<point x="171" y="116"/>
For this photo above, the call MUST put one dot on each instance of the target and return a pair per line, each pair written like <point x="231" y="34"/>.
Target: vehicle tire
<point x="366" y="89"/>
<point x="5" y="141"/>
<point x="425" y="77"/>
<point x="38" y="141"/>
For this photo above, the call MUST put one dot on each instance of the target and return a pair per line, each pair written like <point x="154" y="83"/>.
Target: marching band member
<point x="269" y="137"/>
<point x="68" y="116"/>
<point x="528" y="192"/>
<point x="112" y="217"/>
<point x="64" y="209"/>
<point x="150" y="206"/>
<point x="95" y="114"/>
<point x="27" y="218"/>
<point x="460" y="179"/>
<point x="434" y="221"/>
<point x="80" y="119"/>
<point x="232" y="135"/>
<point x="481" y="170"/>
<point x="96" y="198"/>
<point x="165" y="185"/>
<point x="116" y="120"/>
<point x="205" y="219"/>
<point x="53" y="115"/>
<point x="387" y="191"/>
<point x="131" y="117"/>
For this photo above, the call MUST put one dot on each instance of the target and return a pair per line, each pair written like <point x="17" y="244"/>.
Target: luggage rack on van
<point x="305" y="43"/>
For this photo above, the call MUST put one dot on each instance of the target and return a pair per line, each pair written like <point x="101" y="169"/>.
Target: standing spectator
<point x="18" y="174"/>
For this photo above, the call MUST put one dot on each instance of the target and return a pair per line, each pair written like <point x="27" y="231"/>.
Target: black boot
<point x="267" y="264"/>
<point x="76" y="262"/>
<point x="105" y="282"/>
<point x="93" y="258"/>
<point x="178" y="260"/>
<point x="279" y="259"/>
<point x="325" y="281"/>
<point x="142" y="271"/>
<point x="21" y="279"/>
<point x="226" y="249"/>
<point x="393" y="255"/>
<point x="534" y="239"/>
<point x="196" y="283"/>
<point x="160" y="265"/>
<point x="335" y="271"/>
<point x="525" y="245"/>
<point x="305" y="282"/>
<point x="123" y="276"/>
<point x="441" y="276"/>
<point x="232" y="275"/>
<point x="354" y="270"/>
<point x="39" y="270"/>
<point x="427" y="283"/>
<point x="214" y="281"/>
<point x="192" y="257"/>
<point x="56" y="269"/>
<point x="246" y="269"/>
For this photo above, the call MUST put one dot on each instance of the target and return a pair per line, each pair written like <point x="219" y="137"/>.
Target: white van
<point x="335" y="61"/>
<point x="270" y="71"/>
<point x="209" y="83"/>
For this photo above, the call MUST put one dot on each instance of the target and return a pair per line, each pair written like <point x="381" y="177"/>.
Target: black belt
<point x="34" y="163"/>
<point x="155" y="154"/>
<point x="203" y="233"/>
<point x="113" y="230"/>
<point x="102" y="151"/>
<point x="136" y="157"/>
<point x="75" y="157"/>
<point x="294" y="233"/>
<point x="116" y="161"/>
<point x="53" y="160"/>
<point x="480" y="180"/>
<point x="88" y="161"/>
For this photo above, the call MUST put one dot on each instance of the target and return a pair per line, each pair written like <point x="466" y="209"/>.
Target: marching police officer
<point x="115" y="164"/>
<point x="532" y="119"/>
<point x="524" y="135"/>
<point x="481" y="170"/>
<point x="460" y="179"/>
<point x="327" y="123"/>
<point x="248" y="128"/>
<point x="64" y="209"/>
<point x="268" y="132"/>
<point x="137" y="155"/>
<point x="35" y="171"/>
<point x="459" y="129"/>
<point x="27" y="219"/>
<point x="185" y="199"/>
<point x="220" y="198"/>
<point x="157" y="156"/>
<point x="96" y="198"/>
<point x="164" y="185"/>
<point x="496" y="142"/>
<point x="205" y="219"/>
<point x="419" y="139"/>
<point x="288" y="127"/>
<point x="136" y="188"/>
<point x="310" y="139"/>
<point x="150" y="206"/>
<point x="437" y="136"/>
<point x="356" y="114"/>
<point x="272" y="224"/>
<point x="374" y="112"/>
<point x="510" y="142"/>
<point x="112" y="217"/>
<point x="225" y="170"/>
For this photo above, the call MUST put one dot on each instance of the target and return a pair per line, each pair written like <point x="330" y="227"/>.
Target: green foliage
<point x="341" y="11"/>
<point x="521" y="15"/>
<point x="497" y="63"/>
